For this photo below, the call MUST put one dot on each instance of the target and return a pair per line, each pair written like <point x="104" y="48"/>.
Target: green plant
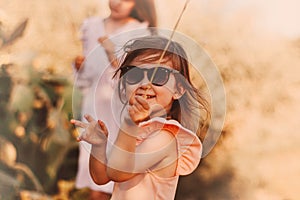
<point x="35" y="134"/>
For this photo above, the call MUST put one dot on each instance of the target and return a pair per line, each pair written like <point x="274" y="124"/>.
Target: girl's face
<point x="159" y="94"/>
<point x="121" y="8"/>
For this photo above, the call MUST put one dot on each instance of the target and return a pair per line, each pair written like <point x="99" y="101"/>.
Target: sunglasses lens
<point x="157" y="76"/>
<point x="134" y="75"/>
<point x="160" y="77"/>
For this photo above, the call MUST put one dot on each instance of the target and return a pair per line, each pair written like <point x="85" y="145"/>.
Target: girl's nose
<point x="145" y="82"/>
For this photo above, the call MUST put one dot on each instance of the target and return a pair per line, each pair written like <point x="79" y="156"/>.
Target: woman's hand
<point x="78" y="62"/>
<point x="95" y="132"/>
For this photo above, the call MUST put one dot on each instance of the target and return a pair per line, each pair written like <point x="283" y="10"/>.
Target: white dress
<point x="96" y="85"/>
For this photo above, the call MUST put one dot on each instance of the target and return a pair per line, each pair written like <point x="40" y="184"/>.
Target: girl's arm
<point x="98" y="165"/>
<point x="121" y="159"/>
<point x="126" y="160"/>
<point x="95" y="133"/>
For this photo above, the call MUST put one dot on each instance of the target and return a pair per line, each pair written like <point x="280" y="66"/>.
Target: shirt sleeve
<point x="189" y="147"/>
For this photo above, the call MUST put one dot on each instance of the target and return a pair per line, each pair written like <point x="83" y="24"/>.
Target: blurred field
<point x="259" y="65"/>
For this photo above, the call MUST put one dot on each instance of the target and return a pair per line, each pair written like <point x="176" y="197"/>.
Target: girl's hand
<point x="140" y="110"/>
<point x="95" y="132"/>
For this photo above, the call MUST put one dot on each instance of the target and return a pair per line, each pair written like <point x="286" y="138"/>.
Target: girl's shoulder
<point x="173" y="126"/>
<point x="188" y="144"/>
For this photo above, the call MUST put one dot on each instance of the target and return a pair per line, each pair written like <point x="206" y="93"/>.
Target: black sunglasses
<point x="158" y="76"/>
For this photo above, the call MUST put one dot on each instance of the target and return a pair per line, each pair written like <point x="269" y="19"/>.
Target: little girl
<point x="155" y="143"/>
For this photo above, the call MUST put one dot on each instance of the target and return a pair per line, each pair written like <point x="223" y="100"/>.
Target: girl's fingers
<point x="78" y="123"/>
<point x="142" y="102"/>
<point x="138" y="107"/>
<point x="89" y="118"/>
<point x="103" y="127"/>
<point x="79" y="138"/>
<point x="135" y="108"/>
<point x="131" y="110"/>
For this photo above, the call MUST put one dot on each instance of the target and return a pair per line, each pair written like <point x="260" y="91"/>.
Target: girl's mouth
<point x="146" y="96"/>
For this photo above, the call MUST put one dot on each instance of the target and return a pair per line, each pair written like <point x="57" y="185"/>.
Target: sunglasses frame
<point x="151" y="77"/>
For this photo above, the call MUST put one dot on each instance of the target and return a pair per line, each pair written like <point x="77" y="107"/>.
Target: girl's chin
<point x="157" y="111"/>
<point x="151" y="101"/>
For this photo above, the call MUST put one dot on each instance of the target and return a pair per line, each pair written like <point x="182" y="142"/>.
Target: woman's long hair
<point x="144" y="10"/>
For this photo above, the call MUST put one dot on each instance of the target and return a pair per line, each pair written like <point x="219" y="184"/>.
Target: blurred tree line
<point x="37" y="144"/>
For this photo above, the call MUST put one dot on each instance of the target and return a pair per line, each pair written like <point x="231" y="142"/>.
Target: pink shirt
<point x="149" y="186"/>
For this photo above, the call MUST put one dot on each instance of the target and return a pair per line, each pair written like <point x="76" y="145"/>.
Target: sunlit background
<point x="256" y="46"/>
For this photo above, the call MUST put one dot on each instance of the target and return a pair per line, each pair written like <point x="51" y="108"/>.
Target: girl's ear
<point x="180" y="90"/>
